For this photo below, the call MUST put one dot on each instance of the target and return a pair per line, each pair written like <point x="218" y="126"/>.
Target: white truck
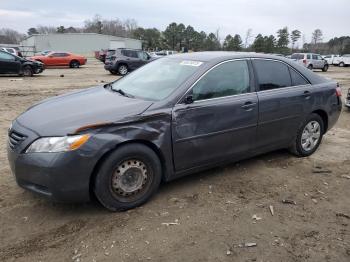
<point x="342" y="61"/>
<point x="330" y="58"/>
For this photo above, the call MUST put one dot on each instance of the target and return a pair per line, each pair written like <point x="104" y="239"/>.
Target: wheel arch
<point x="324" y="117"/>
<point x="74" y="60"/>
<point x="106" y="154"/>
<point x="124" y="64"/>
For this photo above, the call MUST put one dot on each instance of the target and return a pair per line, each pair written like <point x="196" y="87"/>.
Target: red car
<point x="60" y="59"/>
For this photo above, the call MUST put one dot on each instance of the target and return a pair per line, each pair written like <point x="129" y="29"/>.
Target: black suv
<point x="122" y="61"/>
<point x="12" y="64"/>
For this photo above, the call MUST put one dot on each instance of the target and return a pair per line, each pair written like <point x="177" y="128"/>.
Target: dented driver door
<point x="218" y="117"/>
<point x="210" y="131"/>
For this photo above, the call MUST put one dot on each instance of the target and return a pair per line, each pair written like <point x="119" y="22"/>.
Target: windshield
<point x="158" y="79"/>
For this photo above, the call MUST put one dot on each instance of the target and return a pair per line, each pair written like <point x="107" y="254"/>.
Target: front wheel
<point x="74" y="64"/>
<point x="341" y="64"/>
<point x="128" y="177"/>
<point x="27" y="71"/>
<point x="309" y="136"/>
<point x="325" y="68"/>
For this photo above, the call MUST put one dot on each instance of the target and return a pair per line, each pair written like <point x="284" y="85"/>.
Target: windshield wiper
<point x="109" y="85"/>
<point x="122" y="93"/>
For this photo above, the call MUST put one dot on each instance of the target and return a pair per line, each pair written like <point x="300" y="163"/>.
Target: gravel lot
<point x="212" y="210"/>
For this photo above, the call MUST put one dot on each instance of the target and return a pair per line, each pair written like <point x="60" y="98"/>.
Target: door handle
<point x="306" y="94"/>
<point x="248" y="105"/>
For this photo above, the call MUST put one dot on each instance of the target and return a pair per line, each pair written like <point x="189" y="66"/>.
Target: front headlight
<point x="57" y="144"/>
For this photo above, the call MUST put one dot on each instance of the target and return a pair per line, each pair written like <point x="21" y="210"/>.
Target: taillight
<point x="304" y="61"/>
<point x="338" y="90"/>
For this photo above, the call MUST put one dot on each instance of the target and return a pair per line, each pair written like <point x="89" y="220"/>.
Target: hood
<point x="37" y="57"/>
<point x="65" y="114"/>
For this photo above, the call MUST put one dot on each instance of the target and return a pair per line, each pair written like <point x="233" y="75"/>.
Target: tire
<point x="128" y="177"/>
<point x="310" y="67"/>
<point x="325" y="68"/>
<point x="123" y="69"/>
<point x="74" y="64"/>
<point x="27" y="71"/>
<point x="298" y="148"/>
<point x="341" y="64"/>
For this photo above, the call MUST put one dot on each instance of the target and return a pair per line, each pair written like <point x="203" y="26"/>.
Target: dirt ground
<point x="212" y="211"/>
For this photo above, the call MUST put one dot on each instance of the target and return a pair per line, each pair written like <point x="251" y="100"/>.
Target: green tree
<point x="237" y="43"/>
<point x="171" y="35"/>
<point x="198" y="41"/>
<point x="151" y="37"/>
<point x="180" y="36"/>
<point x="283" y="38"/>
<point x="32" y="31"/>
<point x="189" y="37"/>
<point x="270" y="44"/>
<point x="295" y="36"/>
<point x="227" y="42"/>
<point x="61" y="29"/>
<point x="212" y="43"/>
<point x="346" y="47"/>
<point x="259" y="44"/>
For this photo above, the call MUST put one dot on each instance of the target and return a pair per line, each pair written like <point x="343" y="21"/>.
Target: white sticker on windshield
<point x="191" y="63"/>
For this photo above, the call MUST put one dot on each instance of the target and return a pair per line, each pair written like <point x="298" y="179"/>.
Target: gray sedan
<point x="172" y="117"/>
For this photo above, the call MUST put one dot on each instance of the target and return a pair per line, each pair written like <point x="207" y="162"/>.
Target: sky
<point x="227" y="16"/>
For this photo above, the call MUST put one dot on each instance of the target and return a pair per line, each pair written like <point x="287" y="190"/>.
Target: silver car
<point x="311" y="61"/>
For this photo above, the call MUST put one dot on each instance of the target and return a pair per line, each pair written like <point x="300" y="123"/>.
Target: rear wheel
<point x="325" y="68"/>
<point x="310" y="67"/>
<point x="341" y="64"/>
<point x="123" y="69"/>
<point x="74" y="64"/>
<point x="309" y="136"/>
<point x="128" y="177"/>
<point x="27" y="71"/>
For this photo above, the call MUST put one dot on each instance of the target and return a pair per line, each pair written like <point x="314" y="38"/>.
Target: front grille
<point x="15" y="138"/>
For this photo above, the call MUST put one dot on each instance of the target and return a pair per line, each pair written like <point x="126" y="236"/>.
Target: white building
<point x="79" y="43"/>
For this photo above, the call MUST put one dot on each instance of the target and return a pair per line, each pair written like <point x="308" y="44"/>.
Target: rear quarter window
<point x="297" y="79"/>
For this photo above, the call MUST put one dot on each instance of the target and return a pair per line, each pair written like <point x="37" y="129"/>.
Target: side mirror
<point x="188" y="99"/>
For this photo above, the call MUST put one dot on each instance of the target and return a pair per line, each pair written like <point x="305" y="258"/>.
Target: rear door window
<point x="126" y="53"/>
<point x="308" y="57"/>
<point x="271" y="74"/>
<point x="314" y="57"/>
<point x="133" y="54"/>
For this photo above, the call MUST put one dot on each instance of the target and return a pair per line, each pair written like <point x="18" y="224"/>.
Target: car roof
<point x="214" y="57"/>
<point x="222" y="55"/>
